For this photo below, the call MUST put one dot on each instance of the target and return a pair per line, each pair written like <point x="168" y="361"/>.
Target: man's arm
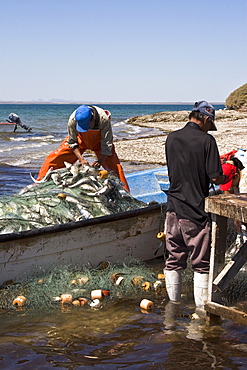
<point x="219" y="179"/>
<point x="79" y="156"/>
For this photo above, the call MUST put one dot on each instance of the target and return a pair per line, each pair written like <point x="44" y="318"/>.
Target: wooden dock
<point x="222" y="207"/>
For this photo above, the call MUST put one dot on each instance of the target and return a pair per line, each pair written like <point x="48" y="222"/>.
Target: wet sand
<point x="231" y="134"/>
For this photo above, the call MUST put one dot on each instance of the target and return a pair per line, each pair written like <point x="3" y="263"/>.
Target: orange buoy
<point x="103" y="174"/>
<point x="19" y="301"/>
<point x="161" y="236"/>
<point x="147" y="286"/>
<point x="76" y="302"/>
<point x="66" y="298"/>
<point x="106" y="293"/>
<point x="83" y="301"/>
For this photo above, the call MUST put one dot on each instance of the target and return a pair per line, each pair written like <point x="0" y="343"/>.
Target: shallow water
<point x="120" y="335"/>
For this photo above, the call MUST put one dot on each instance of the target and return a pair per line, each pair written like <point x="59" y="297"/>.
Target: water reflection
<point x="119" y="336"/>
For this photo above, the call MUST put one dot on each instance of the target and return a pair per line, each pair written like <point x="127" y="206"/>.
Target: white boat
<point x="110" y="238"/>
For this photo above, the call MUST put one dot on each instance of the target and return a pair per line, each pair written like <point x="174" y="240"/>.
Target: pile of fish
<point x="72" y="193"/>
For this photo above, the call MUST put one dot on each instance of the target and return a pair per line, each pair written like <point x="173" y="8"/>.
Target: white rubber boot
<point x="173" y="284"/>
<point x="200" y="289"/>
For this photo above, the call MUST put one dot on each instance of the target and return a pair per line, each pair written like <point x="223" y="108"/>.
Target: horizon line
<point x="96" y="102"/>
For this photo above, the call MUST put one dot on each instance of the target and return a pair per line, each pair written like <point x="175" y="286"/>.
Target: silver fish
<point x="45" y="178"/>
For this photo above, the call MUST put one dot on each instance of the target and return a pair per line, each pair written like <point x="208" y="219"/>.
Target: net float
<point x="119" y="280"/>
<point x="66" y="298"/>
<point x="76" y="302"/>
<point x="161" y="236"/>
<point x="106" y="293"/>
<point x="158" y="285"/>
<point x="147" y="286"/>
<point x="146" y="304"/>
<point x="56" y="299"/>
<point x="96" y="294"/>
<point x="103" y="174"/>
<point x="82" y="280"/>
<point x="83" y="301"/>
<point x="103" y="265"/>
<point x="161" y="276"/>
<point x="61" y="195"/>
<point x="19" y="301"/>
<point x="137" y="280"/>
<point x="95" y="303"/>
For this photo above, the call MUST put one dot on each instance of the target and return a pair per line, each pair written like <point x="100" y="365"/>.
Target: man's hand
<point x="83" y="161"/>
<point x="96" y="164"/>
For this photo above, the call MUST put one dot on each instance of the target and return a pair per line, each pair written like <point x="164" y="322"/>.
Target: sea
<point x="22" y="153"/>
<point x="118" y="335"/>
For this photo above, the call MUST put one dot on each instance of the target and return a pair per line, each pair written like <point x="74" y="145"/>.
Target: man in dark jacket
<point x="193" y="163"/>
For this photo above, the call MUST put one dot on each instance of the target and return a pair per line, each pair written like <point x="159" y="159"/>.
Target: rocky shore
<point x="231" y="134"/>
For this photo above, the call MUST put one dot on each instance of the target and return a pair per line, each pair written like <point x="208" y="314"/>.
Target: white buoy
<point x="146" y="304"/>
<point x="96" y="294"/>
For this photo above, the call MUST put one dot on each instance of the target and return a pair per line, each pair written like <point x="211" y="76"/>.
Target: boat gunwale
<point x="152" y="208"/>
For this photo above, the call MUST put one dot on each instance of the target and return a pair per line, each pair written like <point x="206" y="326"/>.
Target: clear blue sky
<point x="122" y="50"/>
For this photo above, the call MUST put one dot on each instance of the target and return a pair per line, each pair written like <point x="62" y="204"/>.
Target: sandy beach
<point x="231" y="134"/>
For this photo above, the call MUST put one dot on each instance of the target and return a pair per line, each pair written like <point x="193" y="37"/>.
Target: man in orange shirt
<point x="89" y="127"/>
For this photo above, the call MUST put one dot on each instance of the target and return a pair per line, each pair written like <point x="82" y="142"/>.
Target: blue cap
<point x="204" y="107"/>
<point x="83" y="115"/>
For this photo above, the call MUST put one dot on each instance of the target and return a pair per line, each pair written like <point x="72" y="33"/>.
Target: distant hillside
<point x="238" y="99"/>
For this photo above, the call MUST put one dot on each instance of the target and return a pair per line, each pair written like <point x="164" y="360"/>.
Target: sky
<point x="136" y="51"/>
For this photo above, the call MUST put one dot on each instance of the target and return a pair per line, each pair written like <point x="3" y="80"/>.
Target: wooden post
<point x="217" y="258"/>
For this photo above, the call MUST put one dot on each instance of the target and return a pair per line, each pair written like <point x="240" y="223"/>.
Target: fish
<point x="47" y="176"/>
<point x="85" y="195"/>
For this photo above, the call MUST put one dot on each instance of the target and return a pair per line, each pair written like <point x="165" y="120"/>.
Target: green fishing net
<point x="43" y="290"/>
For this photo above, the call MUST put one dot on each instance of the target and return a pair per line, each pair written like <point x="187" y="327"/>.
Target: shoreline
<point x="231" y="134"/>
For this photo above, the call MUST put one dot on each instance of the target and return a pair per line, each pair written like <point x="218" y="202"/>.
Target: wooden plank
<point x="226" y="312"/>
<point x="231" y="269"/>
<point x="228" y="205"/>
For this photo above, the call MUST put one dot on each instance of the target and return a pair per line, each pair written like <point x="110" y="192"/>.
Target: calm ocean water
<point x="118" y="336"/>
<point x="22" y="152"/>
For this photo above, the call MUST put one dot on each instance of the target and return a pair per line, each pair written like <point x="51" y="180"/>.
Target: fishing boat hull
<point x="130" y="234"/>
<point x="7" y="126"/>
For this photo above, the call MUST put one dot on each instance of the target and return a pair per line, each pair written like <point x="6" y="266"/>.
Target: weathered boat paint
<point x="112" y="238"/>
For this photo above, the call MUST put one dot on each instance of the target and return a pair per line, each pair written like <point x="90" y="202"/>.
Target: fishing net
<point x="126" y="280"/>
<point x="69" y="194"/>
